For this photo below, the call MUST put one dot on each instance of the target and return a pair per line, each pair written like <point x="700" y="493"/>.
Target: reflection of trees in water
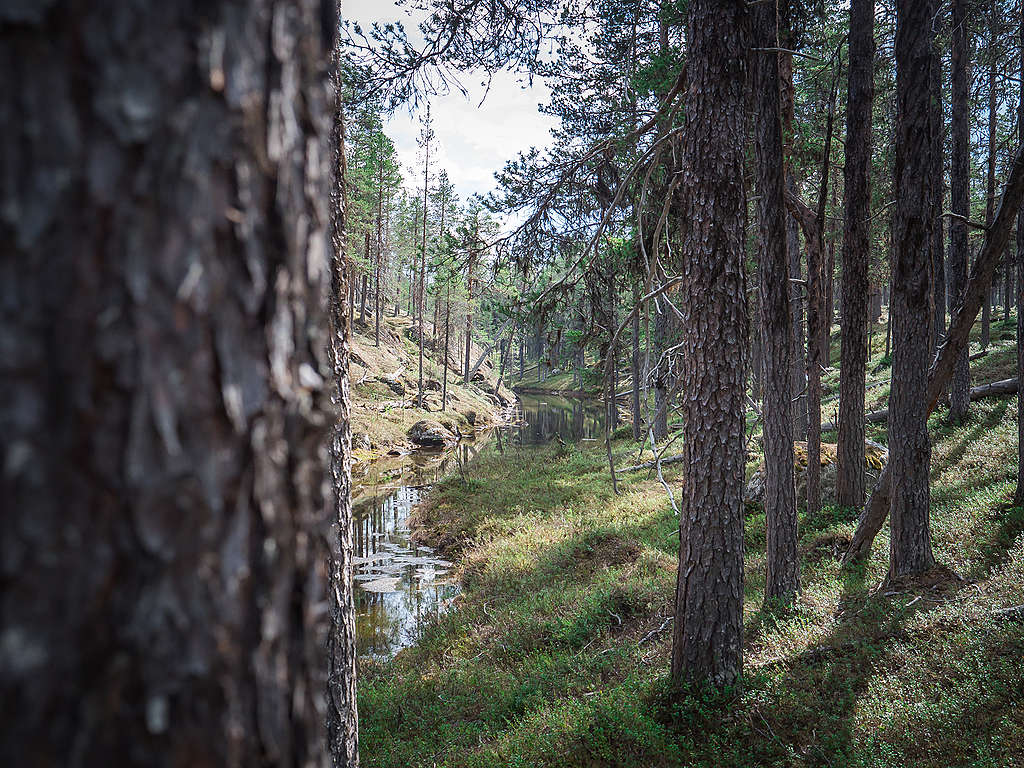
<point x="568" y="418"/>
<point x="387" y="622"/>
<point x="385" y="491"/>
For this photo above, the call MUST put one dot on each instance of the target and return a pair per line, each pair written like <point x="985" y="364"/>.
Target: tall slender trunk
<point x="959" y="189"/>
<point x="378" y="268"/>
<point x="708" y="629"/>
<point x="938" y="189"/>
<point x="447" y="333"/>
<point x="469" y="309"/>
<point x="1018" y="497"/>
<point x="986" y="308"/>
<point x="423" y="255"/>
<point x="850" y="478"/>
<point x="342" y="711"/>
<point x="364" y="285"/>
<point x="661" y="376"/>
<point x="783" y="579"/>
<point x="635" y="361"/>
<point x="910" y="314"/>
<point x="990" y="176"/>
<point x="798" y="364"/>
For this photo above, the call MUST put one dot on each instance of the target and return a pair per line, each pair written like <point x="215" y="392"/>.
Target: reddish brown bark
<point x="707" y="636"/>
<point x="850" y="479"/>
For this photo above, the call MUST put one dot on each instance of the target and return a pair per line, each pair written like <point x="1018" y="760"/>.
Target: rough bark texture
<point x="1018" y="496"/>
<point x="783" y="579"/>
<point x="911" y="305"/>
<point x="707" y="635"/>
<point x="850" y="480"/>
<point x="798" y="365"/>
<point x="163" y="209"/>
<point x="990" y="174"/>
<point x="959" y="201"/>
<point x="342" y="715"/>
<point x="996" y="240"/>
<point x="938" y="189"/>
<point x="635" y="366"/>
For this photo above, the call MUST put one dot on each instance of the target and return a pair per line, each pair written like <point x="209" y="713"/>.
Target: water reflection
<point x="400" y="584"/>
<point x="546" y="416"/>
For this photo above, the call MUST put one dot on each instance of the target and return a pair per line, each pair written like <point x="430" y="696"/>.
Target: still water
<point x="400" y="584"/>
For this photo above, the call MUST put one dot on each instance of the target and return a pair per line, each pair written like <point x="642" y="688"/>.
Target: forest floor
<point x="558" y="652"/>
<point x="385" y="382"/>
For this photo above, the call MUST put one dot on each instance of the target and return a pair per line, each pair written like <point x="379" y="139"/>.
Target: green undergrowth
<point x="558" y="652"/>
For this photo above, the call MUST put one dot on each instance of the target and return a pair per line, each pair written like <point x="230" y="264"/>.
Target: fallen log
<point x="652" y="464"/>
<point x="994" y="389"/>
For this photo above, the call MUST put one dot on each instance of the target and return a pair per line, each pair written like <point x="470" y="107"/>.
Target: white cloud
<point x="474" y="140"/>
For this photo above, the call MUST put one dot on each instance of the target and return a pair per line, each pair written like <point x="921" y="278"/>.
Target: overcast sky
<point x="472" y="142"/>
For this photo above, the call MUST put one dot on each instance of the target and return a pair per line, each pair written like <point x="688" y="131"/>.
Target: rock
<point x="875" y="456"/>
<point x="429" y="433"/>
<point x="395" y="385"/>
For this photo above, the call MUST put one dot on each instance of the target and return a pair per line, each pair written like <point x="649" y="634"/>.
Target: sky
<point x="473" y="140"/>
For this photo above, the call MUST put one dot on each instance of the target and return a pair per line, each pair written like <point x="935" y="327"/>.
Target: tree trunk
<point x="635" y="362"/>
<point x="910" y="312"/>
<point x="959" y="185"/>
<point x="423" y="256"/>
<point x="990" y="176"/>
<point x="469" y="313"/>
<point x="165" y="517"/>
<point x="1018" y="497"/>
<point x="996" y="240"/>
<point x="783" y="580"/>
<point x="937" y="177"/>
<point x="378" y="269"/>
<point x="447" y="334"/>
<point x="661" y="376"/>
<point x="342" y="713"/>
<point x="364" y="286"/>
<point x="798" y="364"/>
<point x="707" y="636"/>
<point x="850" y="479"/>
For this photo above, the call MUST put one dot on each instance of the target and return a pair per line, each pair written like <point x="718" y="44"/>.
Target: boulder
<point x="395" y="385"/>
<point x="875" y="456"/>
<point x="428" y="433"/>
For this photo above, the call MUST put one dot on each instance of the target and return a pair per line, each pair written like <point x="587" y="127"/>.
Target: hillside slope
<point x="385" y="383"/>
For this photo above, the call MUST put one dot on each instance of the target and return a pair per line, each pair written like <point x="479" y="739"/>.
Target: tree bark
<point x="635" y="365"/>
<point x="1018" y="496"/>
<point x="910" y="310"/>
<point x="364" y="285"/>
<point x="996" y="240"/>
<point x="165" y="387"/>
<point x="342" y="711"/>
<point x="661" y="376"/>
<point x="990" y="176"/>
<point x="959" y="185"/>
<point x="469" y="309"/>
<point x="707" y="636"/>
<point x="850" y="478"/>
<point x="937" y="177"/>
<point x="783" y="566"/>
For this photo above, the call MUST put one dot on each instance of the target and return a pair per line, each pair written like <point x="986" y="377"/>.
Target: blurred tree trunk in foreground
<point x="165" y="390"/>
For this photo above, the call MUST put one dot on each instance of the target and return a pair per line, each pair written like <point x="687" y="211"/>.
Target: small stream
<point x="400" y="584"/>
